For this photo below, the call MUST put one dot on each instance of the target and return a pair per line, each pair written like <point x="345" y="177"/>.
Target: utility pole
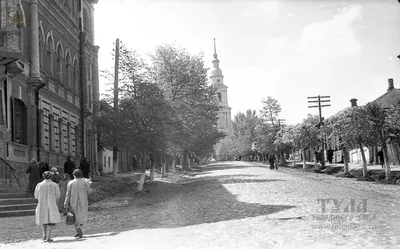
<point x="115" y="148"/>
<point x="319" y="100"/>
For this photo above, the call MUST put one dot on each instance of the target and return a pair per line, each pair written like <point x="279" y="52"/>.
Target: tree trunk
<point x="142" y="173"/>
<point x="173" y="163"/>
<point x="346" y="164"/>
<point x="315" y="160"/>
<point x="304" y="158"/>
<point x="365" y="170"/>
<point x="185" y="162"/>
<point x="375" y="153"/>
<point x="189" y="160"/>
<point x="282" y="156"/>
<point x="387" y="162"/>
<point x="153" y="167"/>
<point x="115" y="163"/>
<point x="164" y="166"/>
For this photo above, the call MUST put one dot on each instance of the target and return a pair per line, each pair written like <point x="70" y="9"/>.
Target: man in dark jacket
<point x="35" y="176"/>
<point x="44" y="166"/>
<point x="69" y="167"/>
<point x="85" y="167"/>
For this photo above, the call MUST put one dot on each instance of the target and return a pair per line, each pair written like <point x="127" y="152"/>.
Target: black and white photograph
<point x="196" y="124"/>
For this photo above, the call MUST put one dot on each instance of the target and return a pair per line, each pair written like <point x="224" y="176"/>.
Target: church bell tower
<point x="217" y="80"/>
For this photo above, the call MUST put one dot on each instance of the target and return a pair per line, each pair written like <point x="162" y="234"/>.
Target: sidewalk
<point x="351" y="165"/>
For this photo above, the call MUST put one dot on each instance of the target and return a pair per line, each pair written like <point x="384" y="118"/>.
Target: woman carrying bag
<point x="76" y="200"/>
<point x="47" y="193"/>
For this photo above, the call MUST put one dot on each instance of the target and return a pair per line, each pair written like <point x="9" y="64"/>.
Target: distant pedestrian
<point x="69" y="167"/>
<point x="271" y="160"/>
<point x="55" y="177"/>
<point x="63" y="191"/>
<point x="44" y="166"/>
<point x="316" y="155"/>
<point x="381" y="157"/>
<point x="329" y="155"/>
<point x="35" y="176"/>
<point x="76" y="200"/>
<point x="47" y="193"/>
<point x="85" y="167"/>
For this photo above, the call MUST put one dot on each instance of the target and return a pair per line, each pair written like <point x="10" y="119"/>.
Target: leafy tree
<point x="382" y="127"/>
<point x="354" y="129"/>
<point x="270" y="115"/>
<point x="183" y="80"/>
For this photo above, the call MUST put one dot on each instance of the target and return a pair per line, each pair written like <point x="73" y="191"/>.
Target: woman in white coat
<point x="47" y="192"/>
<point x="76" y="200"/>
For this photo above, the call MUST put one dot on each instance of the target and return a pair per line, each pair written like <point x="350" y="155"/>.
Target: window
<point x="46" y="125"/>
<point x="219" y="97"/>
<point x="49" y="56"/>
<point x="59" y="64"/>
<point x="19" y="121"/>
<point x="67" y="71"/>
<point x="73" y="132"/>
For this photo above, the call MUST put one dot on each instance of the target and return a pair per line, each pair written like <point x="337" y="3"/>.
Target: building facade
<point x="224" y="113"/>
<point x="48" y="95"/>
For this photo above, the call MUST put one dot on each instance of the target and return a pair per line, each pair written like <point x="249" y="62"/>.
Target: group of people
<point x="56" y="195"/>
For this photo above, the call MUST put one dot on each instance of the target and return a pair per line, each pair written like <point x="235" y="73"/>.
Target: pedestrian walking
<point x="381" y="157"/>
<point x="76" y="200"/>
<point x="329" y="155"/>
<point x="85" y="167"/>
<point x="35" y="176"/>
<point x="55" y="177"/>
<point x="63" y="191"/>
<point x="47" y="215"/>
<point x="44" y="166"/>
<point x="271" y="160"/>
<point x="69" y="167"/>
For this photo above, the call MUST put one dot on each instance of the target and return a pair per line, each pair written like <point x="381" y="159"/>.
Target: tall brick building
<point x="48" y="82"/>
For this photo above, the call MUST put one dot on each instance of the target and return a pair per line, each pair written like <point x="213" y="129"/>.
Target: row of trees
<point x="166" y="108"/>
<point x="356" y="127"/>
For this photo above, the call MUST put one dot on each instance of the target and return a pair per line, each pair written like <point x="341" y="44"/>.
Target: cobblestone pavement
<point x="233" y="205"/>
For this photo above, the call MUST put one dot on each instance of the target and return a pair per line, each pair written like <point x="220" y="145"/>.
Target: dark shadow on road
<point x="213" y="167"/>
<point x="227" y="181"/>
<point x="165" y="205"/>
<point x="204" y="200"/>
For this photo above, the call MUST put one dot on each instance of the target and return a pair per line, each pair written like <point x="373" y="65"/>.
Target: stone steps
<point x="15" y="213"/>
<point x="14" y="195"/>
<point x="16" y="202"/>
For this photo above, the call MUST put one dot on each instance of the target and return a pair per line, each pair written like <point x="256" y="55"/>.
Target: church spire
<point x="215" y="50"/>
<point x="216" y="61"/>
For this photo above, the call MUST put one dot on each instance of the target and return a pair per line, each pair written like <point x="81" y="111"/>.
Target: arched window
<point x="49" y="56"/>
<point x="75" y="79"/>
<point x="67" y="70"/>
<point x="19" y="121"/>
<point x="59" y="64"/>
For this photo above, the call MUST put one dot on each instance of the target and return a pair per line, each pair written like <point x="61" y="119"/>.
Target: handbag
<point x="70" y="220"/>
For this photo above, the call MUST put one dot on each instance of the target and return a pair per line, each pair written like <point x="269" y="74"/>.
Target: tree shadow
<point x="214" y="167"/>
<point x="165" y="205"/>
<point x="199" y="202"/>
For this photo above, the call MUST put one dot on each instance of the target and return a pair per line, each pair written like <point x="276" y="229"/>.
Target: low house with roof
<point x="389" y="100"/>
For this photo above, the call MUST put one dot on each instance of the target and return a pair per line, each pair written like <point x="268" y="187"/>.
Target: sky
<point x="286" y="49"/>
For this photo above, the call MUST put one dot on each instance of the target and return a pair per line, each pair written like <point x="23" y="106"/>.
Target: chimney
<point x="390" y="85"/>
<point x="353" y="102"/>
